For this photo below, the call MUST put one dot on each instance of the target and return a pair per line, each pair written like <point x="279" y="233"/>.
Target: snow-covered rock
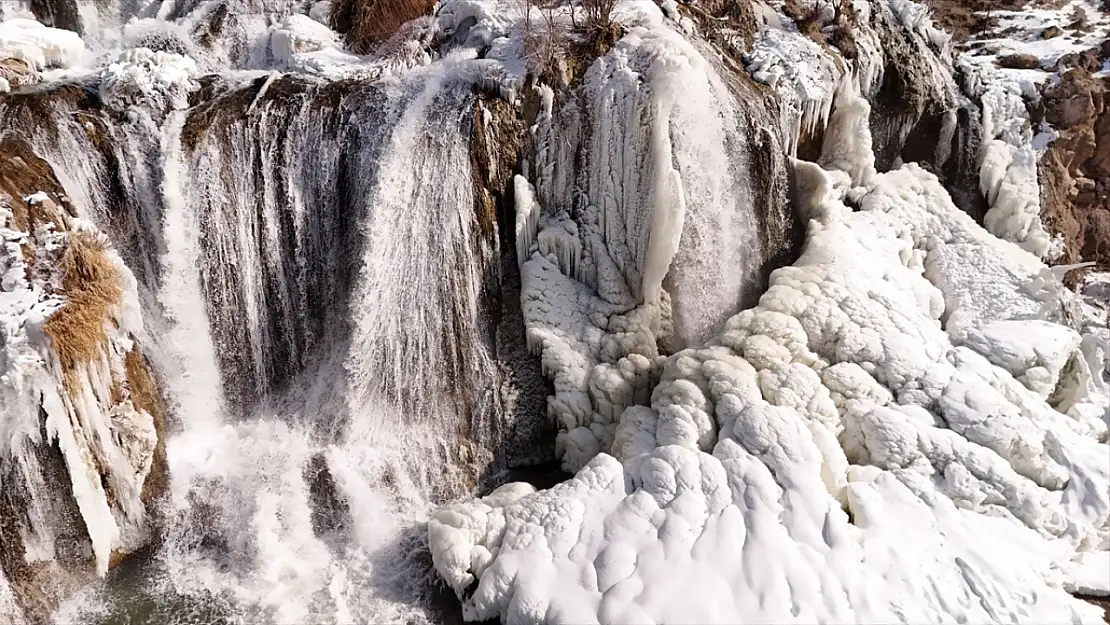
<point x="160" y="81"/>
<point x="300" y="34"/>
<point x="873" y="442"/>
<point x="39" y="46"/>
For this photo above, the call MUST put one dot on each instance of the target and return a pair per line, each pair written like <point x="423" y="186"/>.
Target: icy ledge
<point x="836" y="454"/>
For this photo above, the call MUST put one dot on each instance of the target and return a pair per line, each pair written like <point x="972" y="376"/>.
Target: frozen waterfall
<point x="284" y="326"/>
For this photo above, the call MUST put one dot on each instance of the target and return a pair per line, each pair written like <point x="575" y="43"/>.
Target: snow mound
<point x="871" y="443"/>
<point x="39" y="46"/>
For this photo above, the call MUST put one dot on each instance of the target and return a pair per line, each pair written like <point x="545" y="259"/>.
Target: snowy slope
<point x="877" y="441"/>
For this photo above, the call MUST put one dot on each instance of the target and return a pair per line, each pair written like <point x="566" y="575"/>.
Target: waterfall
<point x="316" y="281"/>
<point x="338" y="373"/>
<point x="320" y="268"/>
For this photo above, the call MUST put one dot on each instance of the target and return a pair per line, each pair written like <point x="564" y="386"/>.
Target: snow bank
<point x="39" y="46"/>
<point x="1089" y="574"/>
<point x="839" y="453"/>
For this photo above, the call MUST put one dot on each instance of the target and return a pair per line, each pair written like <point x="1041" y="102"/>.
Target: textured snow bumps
<point x="845" y="451"/>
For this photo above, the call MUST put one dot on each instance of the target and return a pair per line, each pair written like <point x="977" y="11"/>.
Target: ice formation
<point x="39" y="46"/>
<point x="666" y="195"/>
<point x="884" y="409"/>
<point x="910" y="426"/>
<point x="158" y="81"/>
<point x="84" y="390"/>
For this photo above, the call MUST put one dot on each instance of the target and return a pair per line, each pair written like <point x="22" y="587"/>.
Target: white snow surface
<point x="39" y="46"/>
<point x="872" y="443"/>
<point x="1089" y="574"/>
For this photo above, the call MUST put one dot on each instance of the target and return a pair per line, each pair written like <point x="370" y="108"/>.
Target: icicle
<point x="274" y="74"/>
<point x="559" y="238"/>
<point x="847" y="144"/>
<point x="527" y="218"/>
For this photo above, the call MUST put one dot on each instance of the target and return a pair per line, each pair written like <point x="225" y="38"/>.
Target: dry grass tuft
<point x="91" y="285"/>
<point x="370" y="22"/>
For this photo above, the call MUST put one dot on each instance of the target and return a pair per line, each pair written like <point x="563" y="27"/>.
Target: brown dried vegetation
<point x="91" y="285"/>
<point x="368" y="23"/>
<point x="841" y="36"/>
<point x="558" y="53"/>
<point x="598" y="14"/>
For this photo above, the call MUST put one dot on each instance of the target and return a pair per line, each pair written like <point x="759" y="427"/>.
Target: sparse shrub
<point x="599" y="14"/>
<point x="545" y="40"/>
<point x="370" y="22"/>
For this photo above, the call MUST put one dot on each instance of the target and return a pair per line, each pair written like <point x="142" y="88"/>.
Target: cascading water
<point x="321" y="291"/>
<point x="275" y="210"/>
<point x="314" y="270"/>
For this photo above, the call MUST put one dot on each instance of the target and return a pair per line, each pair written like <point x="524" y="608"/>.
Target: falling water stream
<point x="318" y="269"/>
<point x="315" y="278"/>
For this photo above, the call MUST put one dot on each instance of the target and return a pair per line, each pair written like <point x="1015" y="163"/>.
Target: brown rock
<point x="963" y="18"/>
<point x="1086" y="60"/>
<point x="1019" y="61"/>
<point x="1072" y="100"/>
<point x="17" y="72"/>
<point x="1075" y="171"/>
<point x="1078" y="20"/>
<point x="1051" y="32"/>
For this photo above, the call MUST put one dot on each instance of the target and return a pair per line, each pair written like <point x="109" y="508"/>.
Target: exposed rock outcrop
<point x="368" y="23"/>
<point x="80" y="408"/>
<point x="1075" y="170"/>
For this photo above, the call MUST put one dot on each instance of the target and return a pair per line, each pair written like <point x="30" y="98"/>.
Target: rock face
<point x="368" y="23"/>
<point x="1075" y="171"/>
<point x="80" y="410"/>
